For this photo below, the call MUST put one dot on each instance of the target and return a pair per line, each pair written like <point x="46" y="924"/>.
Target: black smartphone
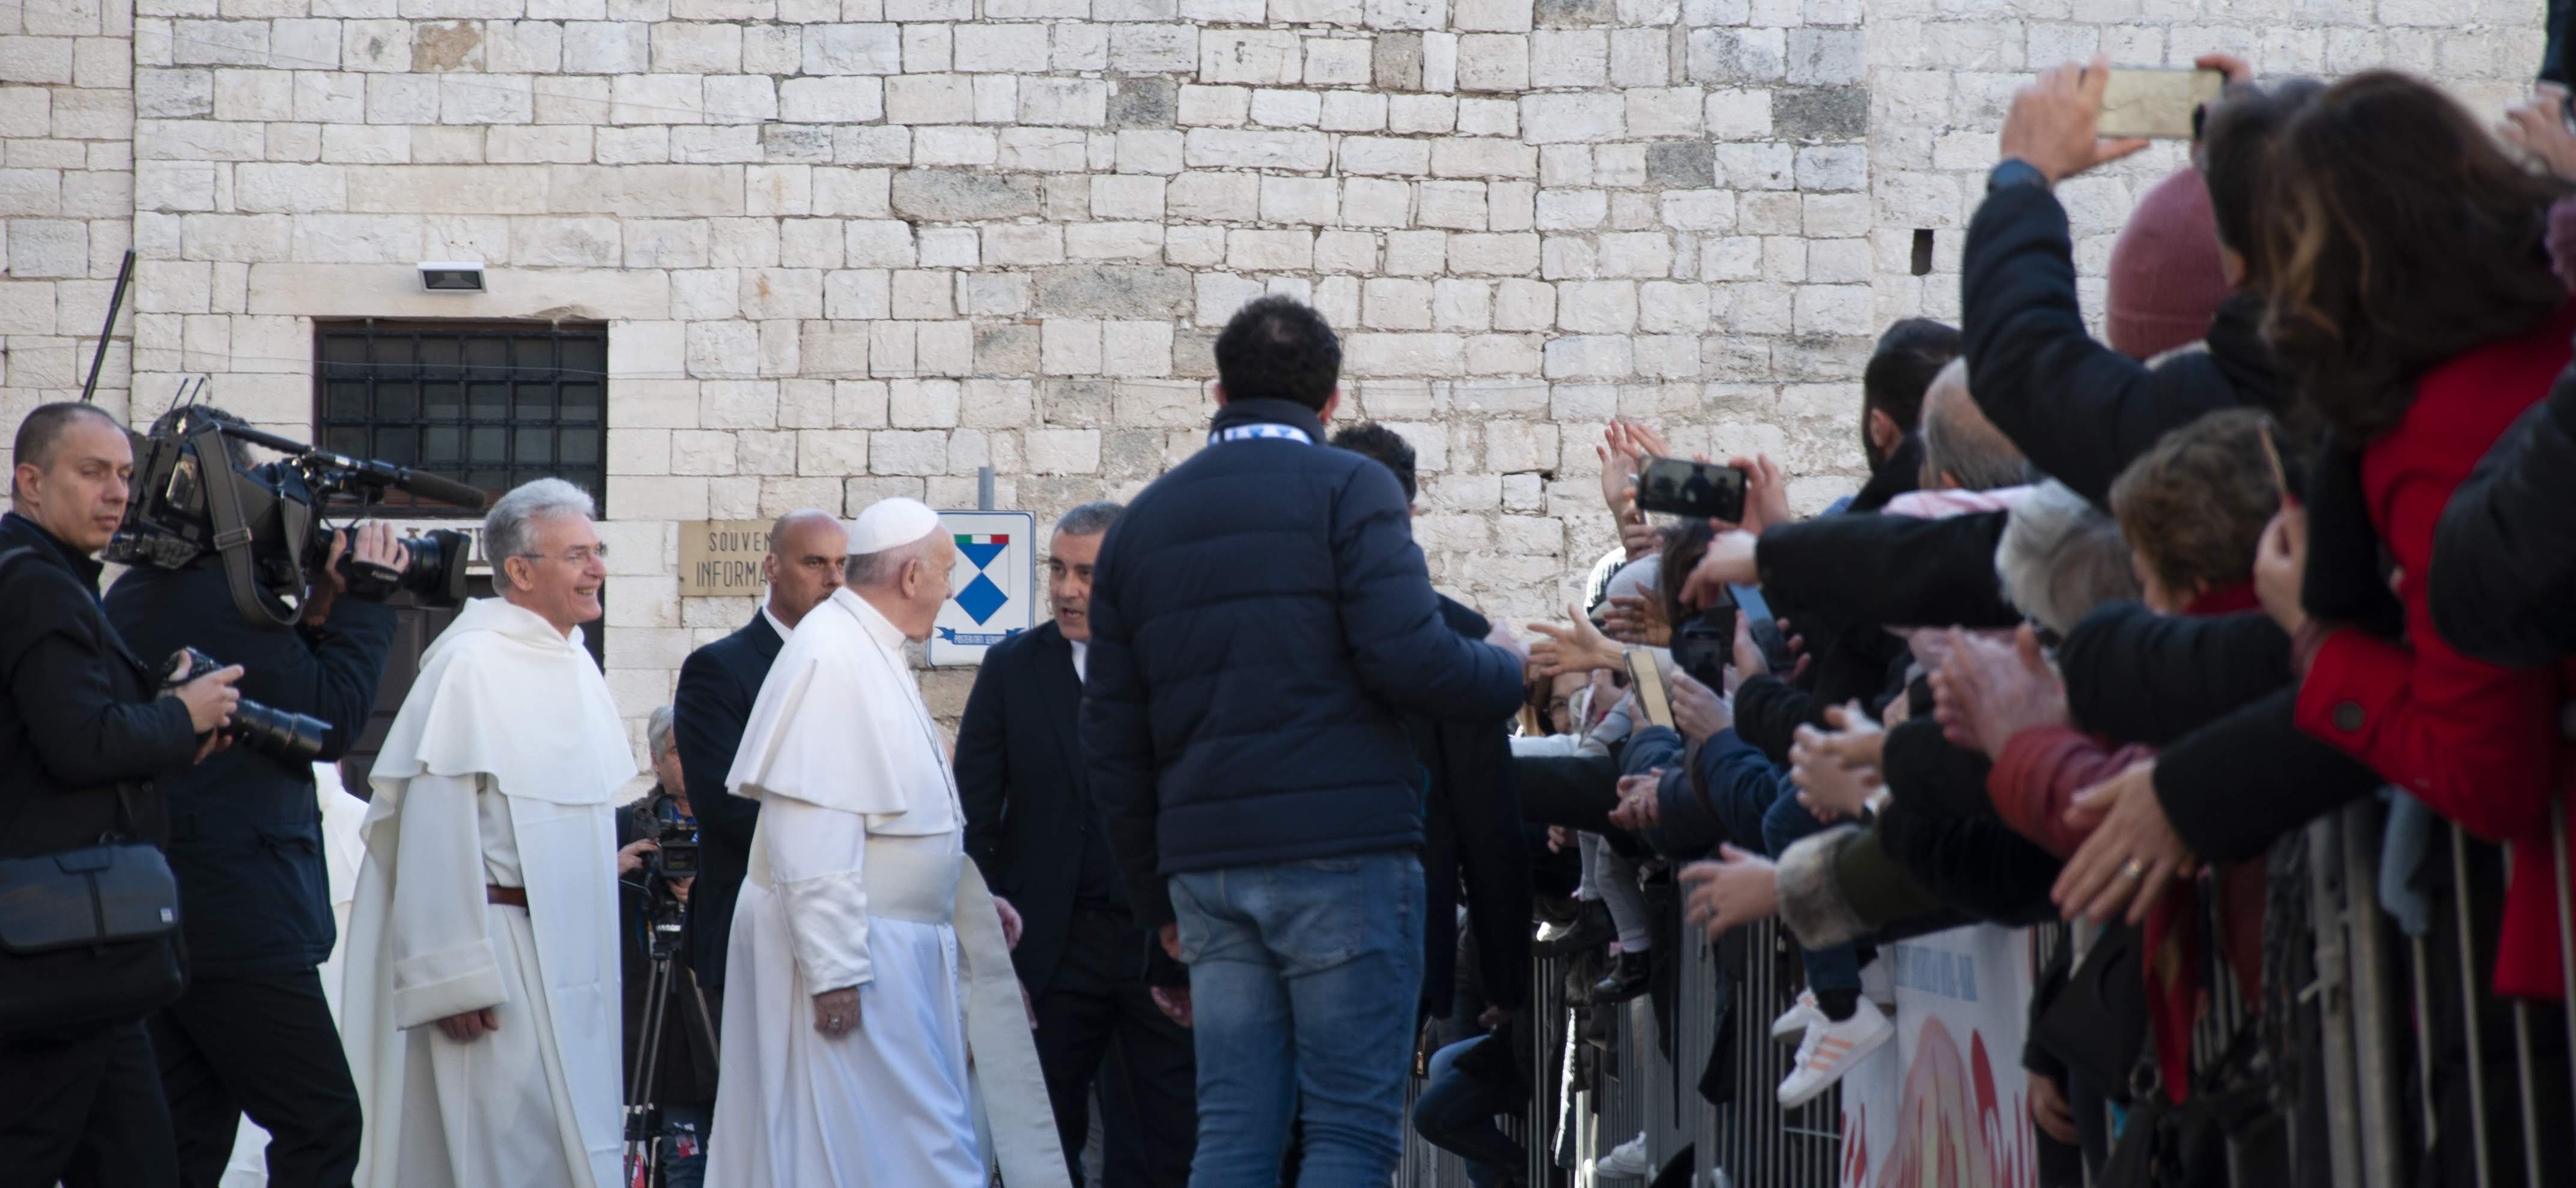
<point x="1765" y="630"/>
<point x="1677" y="487"/>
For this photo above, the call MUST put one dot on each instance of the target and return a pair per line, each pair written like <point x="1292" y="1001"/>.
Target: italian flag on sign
<point x="986" y="539"/>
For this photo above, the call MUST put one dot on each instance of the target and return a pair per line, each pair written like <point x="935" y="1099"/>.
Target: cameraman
<point x="82" y="732"/>
<point x="253" y="1033"/>
<point x="685" y="1087"/>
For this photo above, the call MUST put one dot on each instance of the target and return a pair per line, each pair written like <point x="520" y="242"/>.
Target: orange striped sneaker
<point x="1831" y="1049"/>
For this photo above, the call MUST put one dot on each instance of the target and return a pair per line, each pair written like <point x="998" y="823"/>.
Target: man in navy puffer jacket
<point x="1260" y="620"/>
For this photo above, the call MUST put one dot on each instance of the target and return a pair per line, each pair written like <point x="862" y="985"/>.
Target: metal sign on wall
<point x="721" y="558"/>
<point x="992" y="590"/>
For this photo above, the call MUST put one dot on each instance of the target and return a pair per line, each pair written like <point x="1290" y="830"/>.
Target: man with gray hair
<point x="487" y="901"/>
<point x="1962" y="450"/>
<point x="1032" y="825"/>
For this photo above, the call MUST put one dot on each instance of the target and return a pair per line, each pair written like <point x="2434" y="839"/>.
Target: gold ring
<point x="2135" y="870"/>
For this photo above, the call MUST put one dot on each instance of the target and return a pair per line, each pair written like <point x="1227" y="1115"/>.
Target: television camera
<point x="194" y="494"/>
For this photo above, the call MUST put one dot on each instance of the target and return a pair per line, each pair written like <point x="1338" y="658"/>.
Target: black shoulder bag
<point x="88" y="937"/>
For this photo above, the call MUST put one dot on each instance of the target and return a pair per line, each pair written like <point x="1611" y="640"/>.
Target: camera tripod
<point x="665" y="918"/>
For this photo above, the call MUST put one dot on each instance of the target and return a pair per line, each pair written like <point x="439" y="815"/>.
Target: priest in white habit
<point x="481" y="1003"/>
<point x="867" y="954"/>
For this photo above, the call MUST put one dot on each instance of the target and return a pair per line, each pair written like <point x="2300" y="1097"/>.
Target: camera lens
<point x="276" y="733"/>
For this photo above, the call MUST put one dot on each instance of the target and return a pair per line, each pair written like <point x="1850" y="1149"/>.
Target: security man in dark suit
<point x="718" y="683"/>
<point x="1032" y="827"/>
<point x="83" y="732"/>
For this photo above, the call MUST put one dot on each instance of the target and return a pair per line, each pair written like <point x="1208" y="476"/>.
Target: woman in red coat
<point x="2412" y="298"/>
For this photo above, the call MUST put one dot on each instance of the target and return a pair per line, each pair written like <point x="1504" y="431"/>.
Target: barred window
<point x="490" y="405"/>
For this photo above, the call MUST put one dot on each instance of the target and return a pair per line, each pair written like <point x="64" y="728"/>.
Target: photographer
<point x="82" y="737"/>
<point x="685" y="1087"/>
<point x="253" y="1033"/>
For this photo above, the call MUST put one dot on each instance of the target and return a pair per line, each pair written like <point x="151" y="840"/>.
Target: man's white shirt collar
<point x="782" y="629"/>
<point x="1081" y="659"/>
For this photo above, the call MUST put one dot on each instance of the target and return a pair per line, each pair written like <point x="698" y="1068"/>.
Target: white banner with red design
<point x="1947" y="1105"/>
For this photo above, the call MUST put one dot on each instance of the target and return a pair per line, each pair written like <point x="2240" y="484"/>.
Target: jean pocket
<point x="1319" y="912"/>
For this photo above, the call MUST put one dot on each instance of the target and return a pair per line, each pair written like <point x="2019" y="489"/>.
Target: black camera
<point x="194" y="496"/>
<point x="677" y="857"/>
<point x="1704" y="644"/>
<point x="294" y="738"/>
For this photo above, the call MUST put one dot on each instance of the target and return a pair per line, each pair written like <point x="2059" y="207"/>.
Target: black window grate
<point x="489" y="405"/>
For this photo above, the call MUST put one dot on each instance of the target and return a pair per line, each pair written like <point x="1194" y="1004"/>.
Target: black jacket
<point x="245" y="830"/>
<point x="2215" y="694"/>
<point x="80" y="713"/>
<point x="1472" y="840"/>
<point x="1870" y="570"/>
<point x="1971" y="861"/>
<point x="1260" y="617"/>
<point x="2078" y="409"/>
<point x="688" y="1057"/>
<point x="709" y="708"/>
<point x="1030" y="816"/>
<point x="2504" y="558"/>
<point x="2134" y="676"/>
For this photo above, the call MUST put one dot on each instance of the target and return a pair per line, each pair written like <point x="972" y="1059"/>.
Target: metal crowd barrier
<point x="1632" y="1088"/>
<point x="2398" y="1022"/>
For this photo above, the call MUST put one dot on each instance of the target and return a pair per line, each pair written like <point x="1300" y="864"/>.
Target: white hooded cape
<point x="507" y="705"/>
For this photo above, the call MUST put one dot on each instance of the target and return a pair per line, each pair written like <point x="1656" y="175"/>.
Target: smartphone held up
<point x="2155" y="103"/>
<point x="1673" y="486"/>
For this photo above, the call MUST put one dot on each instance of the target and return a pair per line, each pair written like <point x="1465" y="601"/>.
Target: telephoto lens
<point x="293" y="738"/>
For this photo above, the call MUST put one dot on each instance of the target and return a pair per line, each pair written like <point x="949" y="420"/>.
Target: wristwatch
<point x="2015" y="172"/>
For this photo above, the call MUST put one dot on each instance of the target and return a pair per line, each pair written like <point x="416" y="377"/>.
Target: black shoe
<point x="1626" y="979"/>
<point x="1591" y="930"/>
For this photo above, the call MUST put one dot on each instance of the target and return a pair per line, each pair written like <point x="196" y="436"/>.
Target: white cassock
<point x="859" y="877"/>
<point x="499" y="772"/>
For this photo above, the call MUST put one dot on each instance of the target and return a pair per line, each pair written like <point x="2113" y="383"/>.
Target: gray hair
<point x="2061" y="556"/>
<point x="869" y="571"/>
<point x="510" y="530"/>
<point x="1090" y="519"/>
<point x="657" y="732"/>
<point x="1959" y="441"/>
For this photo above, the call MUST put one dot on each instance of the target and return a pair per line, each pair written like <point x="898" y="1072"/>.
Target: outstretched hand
<point x="1575" y="646"/>
<point x="1734" y="890"/>
<point x="1986" y="692"/>
<point x="2055" y="122"/>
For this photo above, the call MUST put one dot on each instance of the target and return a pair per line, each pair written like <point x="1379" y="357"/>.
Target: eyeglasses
<point x="577" y="557"/>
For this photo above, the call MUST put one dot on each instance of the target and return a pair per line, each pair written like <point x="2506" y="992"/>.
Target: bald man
<point x="1962" y="450"/>
<point x="807" y="549"/>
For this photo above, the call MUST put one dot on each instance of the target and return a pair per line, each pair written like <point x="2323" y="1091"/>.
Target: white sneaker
<point x="1550" y="931"/>
<point x="1627" y="1161"/>
<point x="1830" y="1050"/>
<point x="1793" y="1023"/>
<point x="1877" y="986"/>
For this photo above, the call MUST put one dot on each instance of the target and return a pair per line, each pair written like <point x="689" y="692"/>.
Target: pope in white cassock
<point x="867" y="954"/>
<point x="481" y="1006"/>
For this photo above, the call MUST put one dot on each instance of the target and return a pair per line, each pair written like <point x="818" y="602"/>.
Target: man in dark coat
<point x="1260" y="617"/>
<point x="718" y="683"/>
<point x="83" y="736"/>
<point x="1033" y="827"/>
<point x="684" y="1087"/>
<point x="254" y="1032"/>
<point x="1471" y="819"/>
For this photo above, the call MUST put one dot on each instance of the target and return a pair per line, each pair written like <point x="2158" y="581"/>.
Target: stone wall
<point x="849" y="248"/>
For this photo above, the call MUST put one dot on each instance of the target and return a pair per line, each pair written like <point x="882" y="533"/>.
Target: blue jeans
<point x="1836" y="967"/>
<point x="689" y="1172"/>
<point x="1456" y="1114"/>
<point x="1304" y="978"/>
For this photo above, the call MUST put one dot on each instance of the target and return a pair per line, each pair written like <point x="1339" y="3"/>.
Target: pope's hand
<point x="469" y="1026"/>
<point x="1010" y="921"/>
<point x="836" y="1012"/>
